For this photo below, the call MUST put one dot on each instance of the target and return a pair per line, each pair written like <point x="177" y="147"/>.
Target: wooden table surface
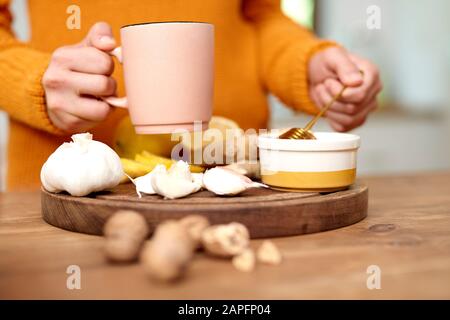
<point x="407" y="234"/>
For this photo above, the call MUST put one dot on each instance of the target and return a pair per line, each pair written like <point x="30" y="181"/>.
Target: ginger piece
<point x="268" y="253"/>
<point x="195" y="225"/>
<point x="125" y="231"/>
<point x="226" y="240"/>
<point x="251" y="169"/>
<point x="166" y="256"/>
<point x="245" y="262"/>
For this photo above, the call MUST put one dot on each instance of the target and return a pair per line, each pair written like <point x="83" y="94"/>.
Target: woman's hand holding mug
<point x="76" y="76"/>
<point x="168" y="72"/>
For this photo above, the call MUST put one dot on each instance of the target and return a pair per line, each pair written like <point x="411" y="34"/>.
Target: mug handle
<point x="112" y="100"/>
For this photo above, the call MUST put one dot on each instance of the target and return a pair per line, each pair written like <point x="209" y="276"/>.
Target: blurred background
<point x="411" y="130"/>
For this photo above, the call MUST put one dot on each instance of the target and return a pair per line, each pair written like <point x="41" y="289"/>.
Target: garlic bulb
<point x="227" y="182"/>
<point x="144" y="184"/>
<point x="81" y="167"/>
<point x="177" y="182"/>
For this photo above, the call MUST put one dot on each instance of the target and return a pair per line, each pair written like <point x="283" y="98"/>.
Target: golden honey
<point x="310" y="181"/>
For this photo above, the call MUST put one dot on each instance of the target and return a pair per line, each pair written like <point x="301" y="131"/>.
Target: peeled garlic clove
<point x="144" y="184"/>
<point x="172" y="188"/>
<point x="180" y="169"/>
<point x="197" y="178"/>
<point x="226" y="182"/>
<point x="175" y="183"/>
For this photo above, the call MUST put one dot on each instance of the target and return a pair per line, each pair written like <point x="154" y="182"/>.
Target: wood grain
<point x="266" y="212"/>
<point x="406" y="233"/>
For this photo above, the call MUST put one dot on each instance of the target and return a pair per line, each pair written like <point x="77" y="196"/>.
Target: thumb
<point x="347" y="71"/>
<point x="100" y="36"/>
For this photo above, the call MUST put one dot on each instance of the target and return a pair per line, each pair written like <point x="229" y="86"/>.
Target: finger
<point x="86" y="60"/>
<point x="322" y="95"/>
<point x="348" y="122"/>
<point x="90" y="109"/>
<point x="101" y="37"/>
<point x="346" y="70"/>
<point x="92" y="84"/>
<point x="343" y="119"/>
<point x="85" y="108"/>
<point x="370" y="84"/>
<point x="361" y="95"/>
<point x="334" y="87"/>
<point x="314" y="97"/>
<point x="361" y="119"/>
<point x="325" y="97"/>
<point x="335" y="125"/>
<point x="70" y="123"/>
<point x="376" y="88"/>
<point x="372" y="95"/>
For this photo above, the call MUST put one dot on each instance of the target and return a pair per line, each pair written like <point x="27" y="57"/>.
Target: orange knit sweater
<point x="258" y="50"/>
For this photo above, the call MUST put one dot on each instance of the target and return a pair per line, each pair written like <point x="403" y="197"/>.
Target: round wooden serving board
<point x="266" y="212"/>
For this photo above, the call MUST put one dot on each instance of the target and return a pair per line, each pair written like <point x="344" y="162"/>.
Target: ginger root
<point x="245" y="261"/>
<point x="268" y="253"/>
<point x="166" y="256"/>
<point x="195" y="225"/>
<point x="251" y="169"/>
<point x="226" y="240"/>
<point x="125" y="232"/>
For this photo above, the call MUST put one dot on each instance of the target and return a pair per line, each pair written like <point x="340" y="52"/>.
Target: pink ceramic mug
<point x="169" y="74"/>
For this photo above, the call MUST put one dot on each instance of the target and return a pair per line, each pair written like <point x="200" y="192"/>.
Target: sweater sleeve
<point x="284" y="51"/>
<point x="21" y="69"/>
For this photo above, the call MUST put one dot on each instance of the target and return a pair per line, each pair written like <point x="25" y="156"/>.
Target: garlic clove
<point x="144" y="184"/>
<point x="180" y="169"/>
<point x="177" y="182"/>
<point x="227" y="182"/>
<point x="172" y="188"/>
<point x="197" y="179"/>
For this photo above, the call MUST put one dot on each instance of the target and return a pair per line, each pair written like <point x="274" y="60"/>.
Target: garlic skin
<point x="197" y="178"/>
<point x="225" y="182"/>
<point x="144" y="184"/>
<point x="81" y="167"/>
<point x="175" y="183"/>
